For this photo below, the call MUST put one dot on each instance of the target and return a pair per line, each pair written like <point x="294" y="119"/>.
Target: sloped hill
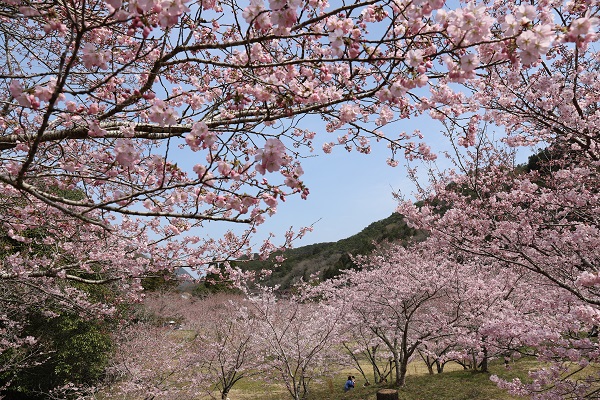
<point x="326" y="260"/>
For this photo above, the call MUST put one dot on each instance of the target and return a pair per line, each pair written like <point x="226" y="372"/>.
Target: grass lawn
<point x="454" y="384"/>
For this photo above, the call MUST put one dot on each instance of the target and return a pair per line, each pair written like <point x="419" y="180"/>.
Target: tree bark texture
<point x="387" y="394"/>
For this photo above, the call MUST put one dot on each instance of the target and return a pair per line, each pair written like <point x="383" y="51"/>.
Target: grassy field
<point x="453" y="384"/>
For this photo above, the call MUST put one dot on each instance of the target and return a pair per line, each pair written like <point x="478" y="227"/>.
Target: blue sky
<point x="348" y="190"/>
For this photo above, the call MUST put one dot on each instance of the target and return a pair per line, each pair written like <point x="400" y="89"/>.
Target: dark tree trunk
<point x="401" y="372"/>
<point x="440" y="367"/>
<point x="484" y="363"/>
<point x="429" y="361"/>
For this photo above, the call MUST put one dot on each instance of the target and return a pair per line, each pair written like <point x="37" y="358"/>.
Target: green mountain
<point x="326" y="260"/>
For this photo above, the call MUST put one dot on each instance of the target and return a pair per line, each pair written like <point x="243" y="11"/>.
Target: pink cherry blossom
<point x="414" y="58"/>
<point x="126" y="154"/>
<point x="136" y="125"/>
<point x="200" y="137"/>
<point x="271" y="157"/>
<point x="469" y="62"/>
<point x="92" y="57"/>
<point x="18" y="93"/>
<point x="162" y="114"/>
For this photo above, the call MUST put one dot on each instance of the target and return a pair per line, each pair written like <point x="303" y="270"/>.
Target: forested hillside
<point x="326" y="260"/>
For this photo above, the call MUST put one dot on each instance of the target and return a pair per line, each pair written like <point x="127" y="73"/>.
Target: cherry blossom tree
<point x="542" y="226"/>
<point x="232" y="347"/>
<point x="299" y="339"/>
<point x="107" y="98"/>
<point x="399" y="295"/>
<point x="498" y="309"/>
<point x="168" y="117"/>
<point x="362" y="344"/>
<point x="540" y="218"/>
<point x="154" y="362"/>
<point x="37" y="316"/>
<point x="217" y="344"/>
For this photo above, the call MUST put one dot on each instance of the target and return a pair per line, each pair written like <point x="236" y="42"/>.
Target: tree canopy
<point x="167" y="117"/>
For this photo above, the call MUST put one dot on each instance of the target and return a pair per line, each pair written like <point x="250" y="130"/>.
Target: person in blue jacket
<point x="349" y="384"/>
